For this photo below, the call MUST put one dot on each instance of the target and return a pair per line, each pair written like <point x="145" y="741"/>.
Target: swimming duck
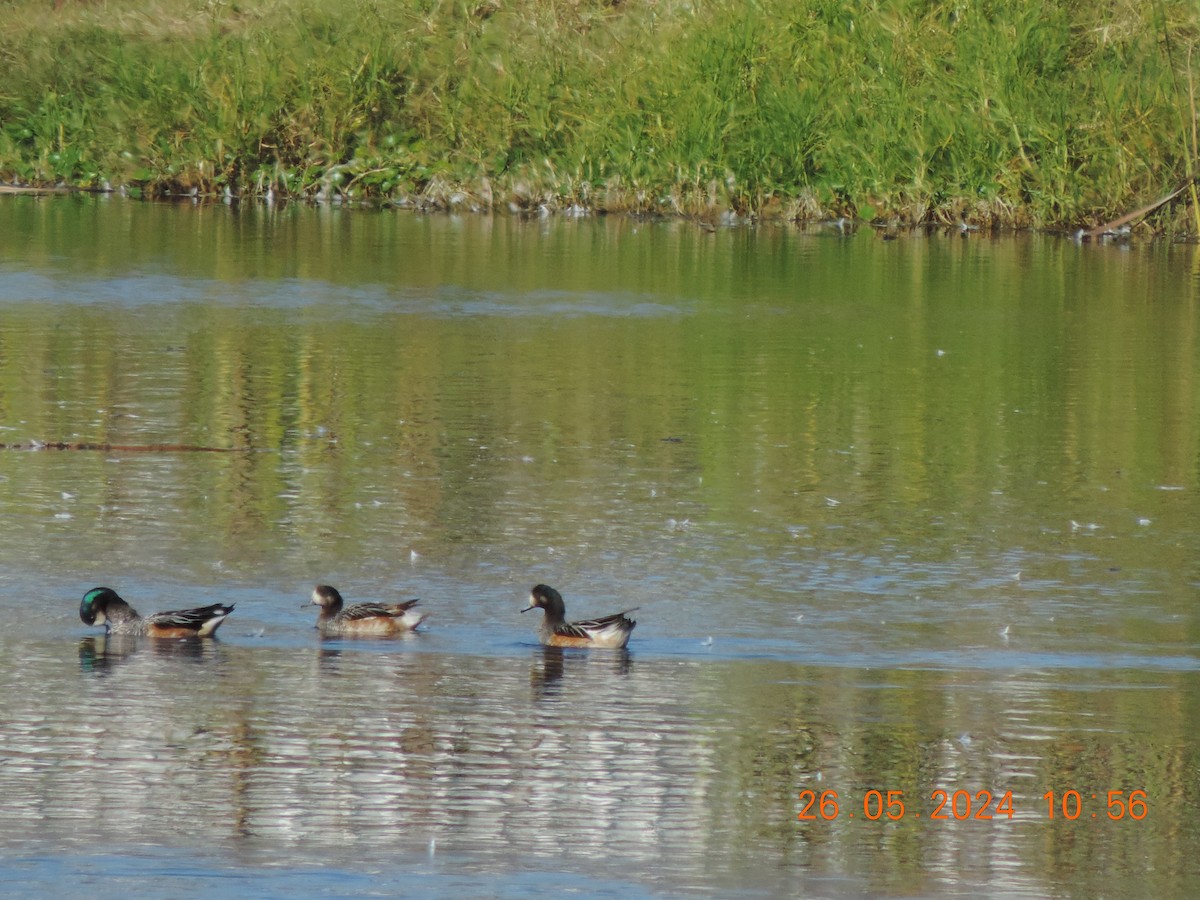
<point x="103" y="606"/>
<point x="362" y="618"/>
<point x="610" y="632"/>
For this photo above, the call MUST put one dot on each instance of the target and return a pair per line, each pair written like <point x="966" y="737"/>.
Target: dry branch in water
<point x="125" y="448"/>
<point x="1138" y="213"/>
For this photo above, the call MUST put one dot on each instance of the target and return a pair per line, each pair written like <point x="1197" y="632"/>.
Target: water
<point x="913" y="515"/>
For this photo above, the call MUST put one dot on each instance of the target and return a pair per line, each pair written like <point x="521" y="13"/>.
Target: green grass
<point x="1041" y="113"/>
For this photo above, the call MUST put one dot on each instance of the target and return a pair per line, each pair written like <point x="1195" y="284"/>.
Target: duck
<point x="608" y="632"/>
<point x="371" y="619"/>
<point x="104" y="606"/>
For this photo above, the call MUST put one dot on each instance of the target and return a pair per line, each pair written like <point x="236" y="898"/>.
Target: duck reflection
<point x="329" y="658"/>
<point x="549" y="665"/>
<point x="101" y="653"/>
<point x="344" y="641"/>
<point x="546" y="671"/>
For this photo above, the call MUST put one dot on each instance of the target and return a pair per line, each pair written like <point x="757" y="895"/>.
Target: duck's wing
<point x="589" y="628"/>
<point x="605" y="621"/>
<point x="377" y="610"/>
<point x="203" y="620"/>
<point x="399" y="609"/>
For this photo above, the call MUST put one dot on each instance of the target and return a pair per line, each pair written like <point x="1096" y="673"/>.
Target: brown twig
<point x="123" y="448"/>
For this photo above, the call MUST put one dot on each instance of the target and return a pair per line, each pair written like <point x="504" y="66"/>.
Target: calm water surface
<point x="912" y="516"/>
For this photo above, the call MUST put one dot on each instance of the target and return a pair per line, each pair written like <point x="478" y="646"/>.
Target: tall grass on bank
<point x="1045" y="113"/>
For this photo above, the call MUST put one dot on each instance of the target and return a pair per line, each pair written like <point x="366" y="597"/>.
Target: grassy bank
<point x="1024" y="113"/>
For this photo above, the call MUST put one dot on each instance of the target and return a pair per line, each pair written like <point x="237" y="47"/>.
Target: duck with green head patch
<point x="103" y="606"/>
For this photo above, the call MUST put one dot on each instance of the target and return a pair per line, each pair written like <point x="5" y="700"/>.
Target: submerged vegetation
<point x="1023" y="113"/>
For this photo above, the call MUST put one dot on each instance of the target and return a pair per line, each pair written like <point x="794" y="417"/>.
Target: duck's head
<point x="94" y="608"/>
<point x="545" y="597"/>
<point x="326" y="597"/>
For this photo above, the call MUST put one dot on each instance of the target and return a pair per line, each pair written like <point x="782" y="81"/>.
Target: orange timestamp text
<point x="984" y="805"/>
